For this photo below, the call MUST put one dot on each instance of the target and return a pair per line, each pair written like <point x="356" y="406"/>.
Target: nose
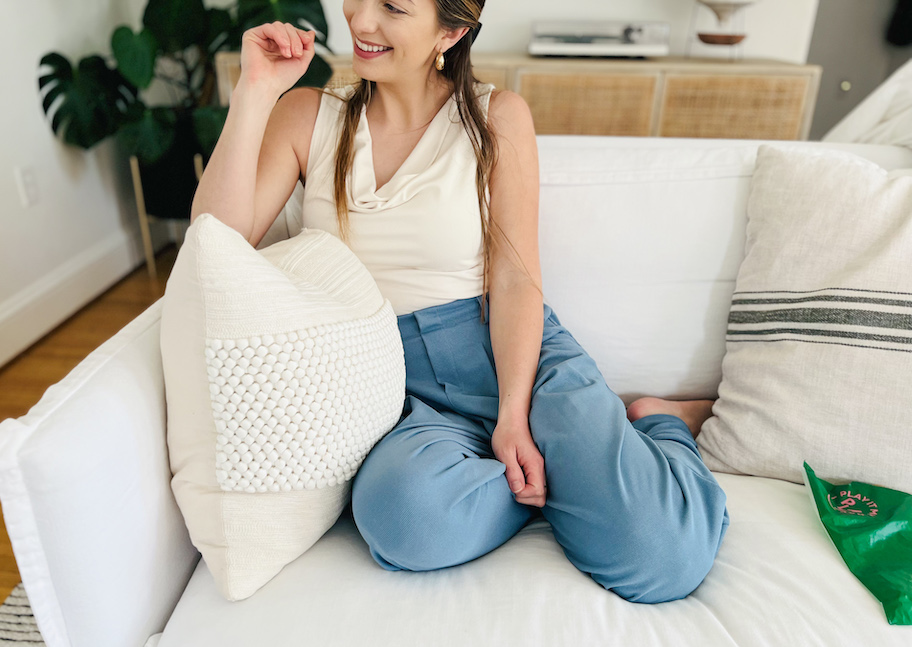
<point x="363" y="18"/>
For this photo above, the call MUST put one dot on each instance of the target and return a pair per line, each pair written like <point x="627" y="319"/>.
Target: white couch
<point x="641" y="240"/>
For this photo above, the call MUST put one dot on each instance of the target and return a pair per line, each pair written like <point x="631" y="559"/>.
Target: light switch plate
<point x="27" y="183"/>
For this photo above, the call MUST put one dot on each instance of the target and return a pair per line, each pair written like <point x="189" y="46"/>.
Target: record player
<point x="599" y="38"/>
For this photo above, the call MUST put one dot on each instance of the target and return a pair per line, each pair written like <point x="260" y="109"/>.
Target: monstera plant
<point x="100" y="96"/>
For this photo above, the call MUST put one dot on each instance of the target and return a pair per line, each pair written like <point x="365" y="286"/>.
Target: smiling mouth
<point x="364" y="47"/>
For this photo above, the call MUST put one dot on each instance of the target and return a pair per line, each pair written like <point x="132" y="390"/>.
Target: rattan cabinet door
<point x="497" y="75"/>
<point x="567" y="103"/>
<point x="343" y="74"/>
<point x="733" y="106"/>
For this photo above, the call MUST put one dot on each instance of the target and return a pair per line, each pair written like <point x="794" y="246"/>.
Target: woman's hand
<point x="513" y="446"/>
<point x="274" y="56"/>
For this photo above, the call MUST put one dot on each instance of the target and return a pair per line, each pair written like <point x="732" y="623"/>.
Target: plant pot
<point x="169" y="183"/>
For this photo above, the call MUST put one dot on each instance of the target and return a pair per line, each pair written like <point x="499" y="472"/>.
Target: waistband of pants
<point x="435" y="317"/>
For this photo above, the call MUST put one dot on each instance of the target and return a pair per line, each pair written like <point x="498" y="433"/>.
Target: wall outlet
<point x="27" y="182"/>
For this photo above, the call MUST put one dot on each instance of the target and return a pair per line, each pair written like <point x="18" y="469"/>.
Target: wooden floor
<point x="24" y="379"/>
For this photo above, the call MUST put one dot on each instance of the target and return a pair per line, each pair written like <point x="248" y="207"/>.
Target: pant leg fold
<point x="430" y="495"/>
<point x="635" y="508"/>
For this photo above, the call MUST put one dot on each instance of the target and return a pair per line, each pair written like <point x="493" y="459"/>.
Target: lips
<point x="370" y="48"/>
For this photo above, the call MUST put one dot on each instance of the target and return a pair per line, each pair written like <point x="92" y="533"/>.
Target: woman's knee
<point x="666" y="561"/>
<point x="434" y="512"/>
<point x="395" y="512"/>
<point x="571" y="402"/>
<point x="670" y="573"/>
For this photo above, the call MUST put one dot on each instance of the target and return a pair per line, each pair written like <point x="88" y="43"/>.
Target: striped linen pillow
<point x="818" y="362"/>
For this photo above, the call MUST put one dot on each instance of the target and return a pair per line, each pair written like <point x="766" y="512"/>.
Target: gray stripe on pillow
<point x="831" y="298"/>
<point x="733" y="334"/>
<point x="840" y="316"/>
<point x="818" y="341"/>
<point x="854" y="290"/>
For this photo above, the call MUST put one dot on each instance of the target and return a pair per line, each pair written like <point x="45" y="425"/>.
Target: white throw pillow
<point x="818" y="363"/>
<point x="282" y="369"/>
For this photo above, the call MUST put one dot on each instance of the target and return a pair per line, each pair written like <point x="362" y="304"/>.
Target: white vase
<point x="725" y="9"/>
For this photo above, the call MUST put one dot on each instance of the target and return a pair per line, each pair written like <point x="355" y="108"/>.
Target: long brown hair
<point x="451" y="15"/>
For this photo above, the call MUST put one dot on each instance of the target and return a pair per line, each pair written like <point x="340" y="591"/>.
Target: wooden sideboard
<point x="659" y="97"/>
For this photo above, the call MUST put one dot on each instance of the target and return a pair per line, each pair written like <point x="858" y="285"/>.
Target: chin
<point x="367" y="71"/>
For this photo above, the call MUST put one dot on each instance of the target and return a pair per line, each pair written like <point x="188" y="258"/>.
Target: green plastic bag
<point x="871" y="527"/>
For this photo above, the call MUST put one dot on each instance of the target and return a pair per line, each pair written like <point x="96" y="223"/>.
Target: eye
<point x="392" y="8"/>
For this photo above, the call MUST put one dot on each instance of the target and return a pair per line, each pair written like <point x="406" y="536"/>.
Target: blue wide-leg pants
<point x="632" y="505"/>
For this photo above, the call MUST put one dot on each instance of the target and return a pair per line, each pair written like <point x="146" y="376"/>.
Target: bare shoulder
<point x="511" y="122"/>
<point x="296" y="110"/>
<point x="292" y="121"/>
<point x="509" y="113"/>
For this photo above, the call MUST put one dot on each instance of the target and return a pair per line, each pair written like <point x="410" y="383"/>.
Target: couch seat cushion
<point x="777" y="580"/>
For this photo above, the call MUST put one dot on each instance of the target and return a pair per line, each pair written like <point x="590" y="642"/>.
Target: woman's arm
<point x="515" y="293"/>
<point x="258" y="157"/>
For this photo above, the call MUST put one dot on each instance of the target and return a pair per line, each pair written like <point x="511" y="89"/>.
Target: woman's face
<point x="394" y="39"/>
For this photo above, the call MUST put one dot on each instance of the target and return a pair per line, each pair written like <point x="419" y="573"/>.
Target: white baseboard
<point x="39" y="308"/>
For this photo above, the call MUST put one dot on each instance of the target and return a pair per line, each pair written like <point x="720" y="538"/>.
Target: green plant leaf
<point x="317" y="75"/>
<point x="208" y="123"/>
<point x="218" y="27"/>
<point x="300" y="13"/>
<point x="151" y="136"/>
<point x="94" y="100"/>
<point x="176" y="24"/>
<point x="135" y="54"/>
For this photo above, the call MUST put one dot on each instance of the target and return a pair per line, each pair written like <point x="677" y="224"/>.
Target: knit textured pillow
<point x="282" y="369"/>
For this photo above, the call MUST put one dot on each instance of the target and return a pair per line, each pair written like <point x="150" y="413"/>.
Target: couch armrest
<point x="85" y="486"/>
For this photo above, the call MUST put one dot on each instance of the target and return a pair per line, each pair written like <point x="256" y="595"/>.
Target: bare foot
<point x="693" y="412"/>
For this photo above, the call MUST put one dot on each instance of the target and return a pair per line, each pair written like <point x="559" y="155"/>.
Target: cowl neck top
<point x="419" y="234"/>
<point x="402" y="185"/>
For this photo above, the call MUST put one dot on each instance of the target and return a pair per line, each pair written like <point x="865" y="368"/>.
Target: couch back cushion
<point x="641" y="241"/>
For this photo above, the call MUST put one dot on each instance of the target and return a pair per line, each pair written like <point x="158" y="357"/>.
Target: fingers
<point x="513" y="446"/>
<point x="516" y="479"/>
<point x="295" y="47"/>
<point x="526" y="475"/>
<point x="535" y="491"/>
<point x="293" y="42"/>
<point x="529" y="496"/>
<point x="284" y="39"/>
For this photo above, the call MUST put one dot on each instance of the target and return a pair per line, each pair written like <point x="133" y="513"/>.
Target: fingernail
<point x="516" y="486"/>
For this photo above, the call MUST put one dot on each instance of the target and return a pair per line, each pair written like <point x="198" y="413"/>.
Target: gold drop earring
<point x="439" y="62"/>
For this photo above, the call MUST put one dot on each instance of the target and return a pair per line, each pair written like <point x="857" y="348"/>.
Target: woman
<point x="432" y="179"/>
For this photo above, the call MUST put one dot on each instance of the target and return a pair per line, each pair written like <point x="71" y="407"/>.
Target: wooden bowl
<point x="721" y="39"/>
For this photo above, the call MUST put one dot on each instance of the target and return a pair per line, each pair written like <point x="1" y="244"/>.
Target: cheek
<point x="417" y="45"/>
<point x="348" y="9"/>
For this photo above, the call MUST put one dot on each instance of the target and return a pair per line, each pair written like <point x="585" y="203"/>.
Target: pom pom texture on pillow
<point x="299" y="410"/>
<point x="282" y="369"/>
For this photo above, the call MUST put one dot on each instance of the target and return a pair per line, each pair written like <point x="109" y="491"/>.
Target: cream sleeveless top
<point x="419" y="234"/>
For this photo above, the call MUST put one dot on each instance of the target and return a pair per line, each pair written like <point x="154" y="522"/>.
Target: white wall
<point x="82" y="235"/>
<point x="776" y="29"/>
